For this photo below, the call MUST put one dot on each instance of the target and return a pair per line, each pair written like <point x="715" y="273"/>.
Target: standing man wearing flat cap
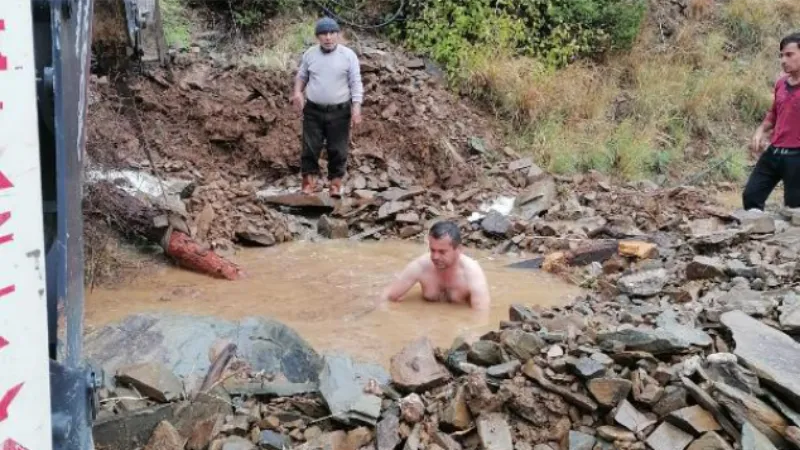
<point x="328" y="91"/>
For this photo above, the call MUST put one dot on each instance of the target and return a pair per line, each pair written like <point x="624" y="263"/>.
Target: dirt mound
<point x="232" y="132"/>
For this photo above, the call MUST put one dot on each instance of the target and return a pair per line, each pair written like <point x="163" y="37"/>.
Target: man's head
<point x="327" y="31"/>
<point x="444" y="243"/>
<point x="790" y="54"/>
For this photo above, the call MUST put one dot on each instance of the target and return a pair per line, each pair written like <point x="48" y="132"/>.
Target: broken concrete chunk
<point x="669" y="437"/>
<point x="694" y="419"/>
<point x="631" y="418"/>
<point x="416" y="368"/>
<point x="790" y="313"/>
<point x="773" y="355"/>
<point x="725" y="368"/>
<point x="656" y="341"/>
<point x="750" y="302"/>
<point x="391" y="208"/>
<point x="494" y="432"/>
<point x="165" y="437"/>
<point x="609" y="391"/>
<point x="643" y="284"/>
<point x="153" y="380"/>
<point x="710" y="441"/>
<point x="536" y="373"/>
<point x="444" y="441"/>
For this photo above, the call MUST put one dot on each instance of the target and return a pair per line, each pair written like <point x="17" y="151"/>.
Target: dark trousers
<point x="325" y="124"/>
<point x="774" y="165"/>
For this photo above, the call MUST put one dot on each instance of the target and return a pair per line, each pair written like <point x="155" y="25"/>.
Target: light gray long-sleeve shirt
<point x="331" y="78"/>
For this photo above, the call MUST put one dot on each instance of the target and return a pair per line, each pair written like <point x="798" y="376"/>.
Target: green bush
<point x="248" y="15"/>
<point x="556" y="31"/>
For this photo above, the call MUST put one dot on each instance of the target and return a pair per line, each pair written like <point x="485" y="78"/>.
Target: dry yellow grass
<point x="656" y="109"/>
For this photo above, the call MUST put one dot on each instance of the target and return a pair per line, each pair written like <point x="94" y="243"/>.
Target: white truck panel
<point x="24" y="362"/>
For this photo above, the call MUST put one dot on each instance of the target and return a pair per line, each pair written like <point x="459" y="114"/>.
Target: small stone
<point x="165" y="437"/>
<point x="631" y="418"/>
<point x="153" y="380"/>
<point x="638" y="249"/>
<point x="613" y="434"/>
<point x="580" y="441"/>
<point x="456" y="415"/>
<point x="271" y="423"/>
<point x="485" y="353"/>
<point x="494" y="432"/>
<point x="412" y="409"/>
<point x="387" y="432"/>
<point x="705" y="268"/>
<point x="409" y="218"/>
<point x="358" y="438"/>
<point x="312" y="432"/>
<point x="495" y="224"/>
<point x="668" y="437"/>
<point x="757" y="222"/>
<point x="272" y="440"/>
<point x="237" y="443"/>
<point x="710" y="441"/>
<point x="555" y="352"/>
<point x="204" y="432"/>
<point x="505" y="370"/>
<point x="586" y="368"/>
<point x="695" y="420"/>
<point x="332" y="228"/>
<point x="609" y="391"/>
<point x="521" y="313"/>
<point x="643" y="284"/>
<point x="521" y="344"/>
<point x="752" y="439"/>
<point x="416" y="367"/>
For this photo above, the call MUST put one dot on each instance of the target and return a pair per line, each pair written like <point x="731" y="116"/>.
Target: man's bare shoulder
<point x="471" y="265"/>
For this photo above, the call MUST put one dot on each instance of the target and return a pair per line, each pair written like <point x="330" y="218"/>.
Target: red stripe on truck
<point x="5" y="183"/>
<point x="3" y="342"/>
<point x="7" y="399"/>
<point x="11" y="444"/>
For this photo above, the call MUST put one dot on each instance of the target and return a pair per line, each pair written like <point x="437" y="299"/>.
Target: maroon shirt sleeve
<point x="772" y="114"/>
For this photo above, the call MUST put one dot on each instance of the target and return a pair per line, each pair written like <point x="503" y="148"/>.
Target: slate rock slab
<point x="182" y="342"/>
<point x="771" y="354"/>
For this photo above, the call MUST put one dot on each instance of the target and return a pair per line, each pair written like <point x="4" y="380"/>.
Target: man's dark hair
<point x="446" y="228"/>
<point x="792" y="38"/>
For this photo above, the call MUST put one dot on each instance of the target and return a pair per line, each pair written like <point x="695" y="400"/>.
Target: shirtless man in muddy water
<point x="445" y="274"/>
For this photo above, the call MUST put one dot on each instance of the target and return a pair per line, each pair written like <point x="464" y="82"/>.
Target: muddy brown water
<point x="326" y="291"/>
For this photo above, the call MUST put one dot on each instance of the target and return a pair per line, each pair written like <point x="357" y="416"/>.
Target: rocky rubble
<point x="565" y="378"/>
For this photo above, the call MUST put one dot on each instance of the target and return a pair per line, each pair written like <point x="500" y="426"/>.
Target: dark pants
<point x="325" y="124"/>
<point x="774" y="165"/>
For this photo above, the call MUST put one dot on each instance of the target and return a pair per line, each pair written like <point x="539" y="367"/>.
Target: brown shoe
<point x="336" y="187"/>
<point x="309" y="184"/>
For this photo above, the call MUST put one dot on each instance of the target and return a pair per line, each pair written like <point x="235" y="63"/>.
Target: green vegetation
<point x="177" y="27"/>
<point x="280" y="54"/>
<point x="250" y="15"/>
<point x="595" y="84"/>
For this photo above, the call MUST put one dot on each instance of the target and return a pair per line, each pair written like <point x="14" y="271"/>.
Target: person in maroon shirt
<point x="781" y="159"/>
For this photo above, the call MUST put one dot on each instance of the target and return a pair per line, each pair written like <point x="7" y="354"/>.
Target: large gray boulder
<point x="182" y="343"/>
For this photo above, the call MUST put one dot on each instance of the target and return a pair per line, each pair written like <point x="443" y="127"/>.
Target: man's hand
<point x="298" y="101"/>
<point x="759" y="141"/>
<point x="356" y="114"/>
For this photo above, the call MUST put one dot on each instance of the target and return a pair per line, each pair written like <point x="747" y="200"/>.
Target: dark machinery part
<point x="62" y="42"/>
